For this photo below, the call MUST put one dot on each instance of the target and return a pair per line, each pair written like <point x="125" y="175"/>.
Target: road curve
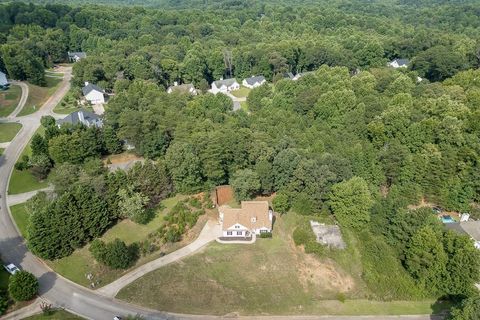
<point x="23" y="99"/>
<point x="62" y="292"/>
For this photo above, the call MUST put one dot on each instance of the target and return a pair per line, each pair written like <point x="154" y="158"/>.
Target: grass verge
<point x="21" y="217"/>
<point x="8" y="131"/>
<point x="24" y="181"/>
<point x="55" y="315"/>
<point x="37" y="95"/>
<point x="9" y="100"/>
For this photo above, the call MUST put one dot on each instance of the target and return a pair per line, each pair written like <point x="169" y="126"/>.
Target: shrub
<point x="144" y="217"/>
<point x="265" y="235"/>
<point x="281" y="203"/>
<point x="22" y="286"/>
<point x="3" y="302"/>
<point x="300" y="236"/>
<point x="116" y="254"/>
<point x="194" y="202"/>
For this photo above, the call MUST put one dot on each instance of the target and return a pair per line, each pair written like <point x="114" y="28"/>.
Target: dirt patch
<point x="323" y="275"/>
<point x="223" y="195"/>
<point x="121" y="158"/>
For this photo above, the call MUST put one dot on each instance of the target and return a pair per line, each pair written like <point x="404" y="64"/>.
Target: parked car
<point x="117" y="318"/>
<point x="11" y="268"/>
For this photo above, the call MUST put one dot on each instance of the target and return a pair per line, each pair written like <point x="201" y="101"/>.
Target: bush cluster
<point x="116" y="254"/>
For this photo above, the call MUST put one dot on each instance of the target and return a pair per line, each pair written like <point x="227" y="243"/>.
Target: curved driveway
<point x="60" y="291"/>
<point x="23" y="99"/>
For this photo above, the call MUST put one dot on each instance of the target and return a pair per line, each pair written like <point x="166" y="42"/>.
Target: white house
<point x="183" y="88"/>
<point x="399" y="63"/>
<point x="76" y="56"/>
<point x="253" y="82"/>
<point x="224" y="86"/>
<point x="300" y="75"/>
<point x="84" y="117"/>
<point x="94" y="94"/>
<point x="254" y="217"/>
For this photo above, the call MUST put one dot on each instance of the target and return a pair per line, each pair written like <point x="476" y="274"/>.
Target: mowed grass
<point x="9" y="100"/>
<point x="1" y="151"/>
<point x="24" y="181"/>
<point x="76" y="266"/>
<point x="271" y="276"/>
<point x="241" y="93"/>
<point x="21" y="217"/>
<point x="56" y="315"/>
<point x="8" y="131"/>
<point x="37" y="95"/>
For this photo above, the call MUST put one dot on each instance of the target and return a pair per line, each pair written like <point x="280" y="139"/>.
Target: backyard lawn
<point x="272" y="276"/>
<point x="125" y="230"/>
<point x="241" y="93"/>
<point x="38" y="95"/>
<point x="8" y="131"/>
<point x="9" y="100"/>
<point x="1" y="151"/>
<point x="244" y="106"/>
<point x="24" y="181"/>
<point x="56" y="315"/>
<point x="20" y="215"/>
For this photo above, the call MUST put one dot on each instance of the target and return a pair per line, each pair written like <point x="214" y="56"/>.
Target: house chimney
<point x="175" y="83"/>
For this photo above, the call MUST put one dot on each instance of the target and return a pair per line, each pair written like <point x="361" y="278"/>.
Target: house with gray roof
<point x="288" y="75"/>
<point x="3" y="81"/>
<point x="399" y="63"/>
<point x="470" y="228"/>
<point x="253" y="82"/>
<point x="183" y="88"/>
<point x="93" y="93"/>
<point x="83" y="117"/>
<point x="76" y="56"/>
<point x="224" y="85"/>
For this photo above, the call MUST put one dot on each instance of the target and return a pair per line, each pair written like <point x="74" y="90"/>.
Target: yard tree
<point x="184" y="167"/>
<point x="115" y="254"/>
<point x="350" y="202"/>
<point x="426" y="260"/>
<point x="132" y="204"/>
<point x="22" y="286"/>
<point x="469" y="309"/>
<point x="281" y="203"/>
<point x="245" y="184"/>
<point x="39" y="145"/>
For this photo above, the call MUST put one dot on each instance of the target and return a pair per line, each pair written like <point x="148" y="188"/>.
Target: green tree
<point x="469" y="309"/>
<point x="132" y="204"/>
<point x="350" y="202"/>
<point x="245" y="184"/>
<point x="281" y="203"/>
<point x="115" y="254"/>
<point x="22" y="286"/>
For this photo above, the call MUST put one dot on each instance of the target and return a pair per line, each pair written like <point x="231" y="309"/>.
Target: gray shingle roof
<point x="186" y="88"/>
<point x="288" y="75"/>
<point x="402" y="62"/>
<point x="226" y="82"/>
<point x="81" y="55"/>
<point x="82" y="117"/>
<point x="3" y="79"/>
<point x="90" y="87"/>
<point x="252" y="80"/>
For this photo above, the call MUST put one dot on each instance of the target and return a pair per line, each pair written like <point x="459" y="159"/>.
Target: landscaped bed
<point x="9" y="100"/>
<point x="8" y="131"/>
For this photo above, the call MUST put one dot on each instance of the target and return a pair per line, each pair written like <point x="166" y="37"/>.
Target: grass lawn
<point x="9" y="100"/>
<point x="21" y="216"/>
<point x="8" y="131"/>
<point x="67" y="109"/>
<point x="241" y="93"/>
<point x="125" y="230"/>
<point x="1" y="151"/>
<point x="244" y="106"/>
<point x="24" y="181"/>
<point x="56" y="315"/>
<point x="272" y="276"/>
<point x="38" y="95"/>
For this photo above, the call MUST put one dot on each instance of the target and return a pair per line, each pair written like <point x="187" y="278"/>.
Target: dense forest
<point x="353" y="138"/>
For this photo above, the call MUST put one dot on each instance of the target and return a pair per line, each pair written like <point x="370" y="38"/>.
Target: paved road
<point x="61" y="292"/>
<point x="23" y="99"/>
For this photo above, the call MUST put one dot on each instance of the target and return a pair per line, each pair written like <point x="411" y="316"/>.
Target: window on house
<point x="239" y="233"/>
<point x="229" y="233"/>
<point x="237" y="227"/>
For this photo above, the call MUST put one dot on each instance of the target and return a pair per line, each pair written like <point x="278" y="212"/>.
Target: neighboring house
<point x="254" y="217"/>
<point x="329" y="235"/>
<point x="300" y="75"/>
<point x="399" y="63"/>
<point x="183" y="88"/>
<point x="76" y="56"/>
<point x="288" y="75"/>
<point x="84" y="117"/>
<point x="3" y="81"/>
<point x="94" y="94"/>
<point x="224" y="86"/>
<point x="470" y="228"/>
<point x="254" y="81"/>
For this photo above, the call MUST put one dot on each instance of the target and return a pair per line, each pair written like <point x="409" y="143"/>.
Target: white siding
<point x="95" y="97"/>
